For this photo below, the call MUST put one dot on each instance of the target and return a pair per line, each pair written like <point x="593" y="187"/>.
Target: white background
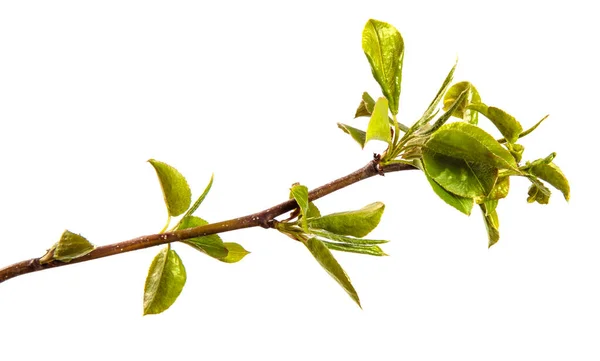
<point x="252" y="91"/>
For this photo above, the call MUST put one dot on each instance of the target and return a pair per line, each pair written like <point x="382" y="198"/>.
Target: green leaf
<point x="384" y="47"/>
<point x="458" y="176"/>
<point x="462" y="111"/>
<point x="438" y="97"/>
<point x="516" y="150"/>
<point x="538" y="192"/>
<point x="504" y="122"/>
<point x="490" y="217"/>
<point x="300" y="195"/>
<point x="444" y="118"/>
<point x="345" y="239"/>
<point x="166" y="278"/>
<point x="313" y="211"/>
<point x="212" y="244"/>
<point x="553" y="175"/>
<point x="330" y="264"/>
<point x="468" y="142"/>
<point x="379" y="127"/>
<point x="353" y="248"/>
<point x="357" y="223"/>
<point x="175" y="188"/>
<point x="365" y="108"/>
<point x="235" y="254"/>
<point x="463" y="204"/>
<point x="69" y="247"/>
<point x="356" y="134"/>
<point x="528" y="131"/>
<point x="500" y="189"/>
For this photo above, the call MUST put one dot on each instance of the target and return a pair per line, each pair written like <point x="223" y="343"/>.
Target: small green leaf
<point x="300" y="195"/>
<point x="379" y="127"/>
<point x="345" y="239"/>
<point x="458" y="176"/>
<point x="313" y="211"/>
<point x="69" y="247"/>
<point x="490" y="217"/>
<point x="444" y="118"/>
<point x="235" y="254"/>
<point x="384" y="47"/>
<point x="462" y="111"/>
<point x="198" y="201"/>
<point x="166" y="278"/>
<point x="473" y="144"/>
<point x="463" y="204"/>
<point x="175" y="188"/>
<point x="357" y="223"/>
<point x="500" y="189"/>
<point x="356" y="134"/>
<point x="438" y="97"/>
<point x="553" y="175"/>
<point x="212" y="244"/>
<point x="504" y="122"/>
<point x="353" y="248"/>
<point x="365" y="108"/>
<point x="538" y="192"/>
<point x="323" y="255"/>
<point x="516" y="150"/>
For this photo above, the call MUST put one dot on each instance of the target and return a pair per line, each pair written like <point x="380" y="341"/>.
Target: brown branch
<point x="263" y="219"/>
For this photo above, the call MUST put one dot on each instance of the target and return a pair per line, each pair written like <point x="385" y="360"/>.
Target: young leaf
<point x="345" y="239"/>
<point x="235" y="253"/>
<point x="379" y="127"/>
<point x="356" y="134"/>
<point x="69" y="247"/>
<point x="473" y="144"/>
<point x="384" y="47"/>
<point x="212" y="244"/>
<point x="553" y="175"/>
<point x="516" y="150"/>
<point x="357" y="223"/>
<point x="444" y="118"/>
<point x="175" y="188"/>
<point x="538" y="192"/>
<point x="353" y="248"/>
<point x="490" y="217"/>
<point x="500" y="189"/>
<point x="462" y="111"/>
<point x="330" y="264"/>
<point x="200" y="199"/>
<point x="300" y="194"/>
<point x="313" y="211"/>
<point x="438" y="97"/>
<point x="506" y="123"/>
<point x="166" y="278"/>
<point x="463" y="204"/>
<point x="365" y="108"/>
<point x="458" y="176"/>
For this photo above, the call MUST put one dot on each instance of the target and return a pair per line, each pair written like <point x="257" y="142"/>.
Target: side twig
<point x="263" y="219"/>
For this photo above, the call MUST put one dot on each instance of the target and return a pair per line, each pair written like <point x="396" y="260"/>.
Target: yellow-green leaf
<point x="463" y="204"/>
<point x="379" y="127"/>
<point x="356" y="134"/>
<point x="370" y="250"/>
<point x="176" y="191"/>
<point x="553" y="175"/>
<point x="212" y="244"/>
<point x="357" y="223"/>
<point x="235" y="253"/>
<point x="323" y="255"/>
<point x="69" y="247"/>
<point x="365" y="108"/>
<point x="165" y="281"/>
<point x="300" y="195"/>
<point x="384" y="47"/>
<point x="462" y="111"/>
<point x="490" y="217"/>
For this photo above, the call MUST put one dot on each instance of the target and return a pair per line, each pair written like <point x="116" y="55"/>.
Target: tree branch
<point x="263" y="219"/>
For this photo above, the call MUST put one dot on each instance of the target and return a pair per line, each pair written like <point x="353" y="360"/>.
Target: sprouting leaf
<point x="462" y="111"/>
<point x="313" y="211"/>
<point x="345" y="239"/>
<point x="165" y="281"/>
<point x="471" y="143"/>
<point x="553" y="175"/>
<point x="356" y="134"/>
<point x="365" y="108"/>
<point x="323" y="255"/>
<point x="200" y="199"/>
<point x="353" y="248"/>
<point x="212" y="244"/>
<point x="69" y="247"/>
<point x="300" y="194"/>
<point x="357" y="223"/>
<point x="175" y="188"/>
<point x="235" y="253"/>
<point x="384" y="47"/>
<point x="458" y="176"/>
<point x="516" y="150"/>
<point x="438" y="97"/>
<point x="463" y="204"/>
<point x="504" y="122"/>
<point x="379" y="127"/>
<point x="444" y="118"/>
<point x="528" y="131"/>
<point x="538" y="192"/>
<point x="490" y="217"/>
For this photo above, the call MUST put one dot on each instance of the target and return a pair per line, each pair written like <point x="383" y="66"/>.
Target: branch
<point x="263" y="219"/>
